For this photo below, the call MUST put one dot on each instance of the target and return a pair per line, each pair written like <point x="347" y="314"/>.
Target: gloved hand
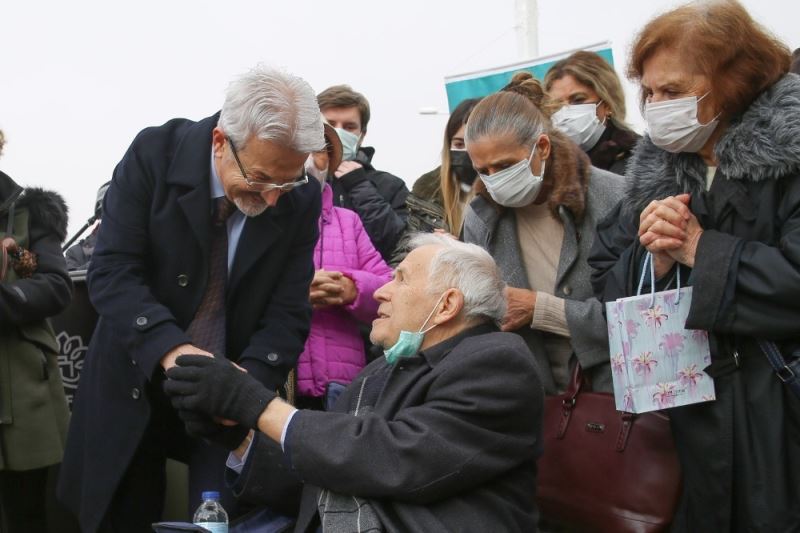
<point x="203" y="427"/>
<point x="215" y="387"/>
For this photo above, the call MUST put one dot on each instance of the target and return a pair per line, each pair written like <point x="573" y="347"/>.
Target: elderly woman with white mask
<point x="537" y="206"/>
<point x="715" y="193"/>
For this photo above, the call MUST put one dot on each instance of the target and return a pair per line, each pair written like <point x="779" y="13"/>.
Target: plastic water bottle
<point x="210" y="514"/>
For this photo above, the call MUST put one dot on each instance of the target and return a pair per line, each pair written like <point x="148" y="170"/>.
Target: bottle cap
<point x="210" y="495"/>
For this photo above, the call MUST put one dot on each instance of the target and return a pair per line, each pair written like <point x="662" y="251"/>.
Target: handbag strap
<point x="648" y="262"/>
<point x="789" y="373"/>
<point x="570" y="401"/>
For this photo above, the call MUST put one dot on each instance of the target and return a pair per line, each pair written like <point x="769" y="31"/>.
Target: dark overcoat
<point x="446" y="440"/>
<point x="146" y="280"/>
<point x="741" y="453"/>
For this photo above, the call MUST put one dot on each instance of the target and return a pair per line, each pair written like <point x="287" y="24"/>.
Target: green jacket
<point x="33" y="409"/>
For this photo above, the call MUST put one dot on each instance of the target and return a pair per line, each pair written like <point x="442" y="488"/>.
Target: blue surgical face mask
<point x="409" y="342"/>
<point x="349" y="144"/>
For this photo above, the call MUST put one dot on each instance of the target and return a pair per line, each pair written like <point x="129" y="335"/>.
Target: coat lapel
<point x="258" y="236"/>
<point x="191" y="170"/>
<point x="569" y="246"/>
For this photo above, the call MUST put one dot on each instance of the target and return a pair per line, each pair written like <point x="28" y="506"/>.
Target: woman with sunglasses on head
<point x="592" y="109"/>
<point x="538" y="202"/>
<point x="715" y="192"/>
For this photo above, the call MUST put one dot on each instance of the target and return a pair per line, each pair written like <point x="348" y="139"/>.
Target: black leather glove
<point x="216" y="388"/>
<point x="203" y="427"/>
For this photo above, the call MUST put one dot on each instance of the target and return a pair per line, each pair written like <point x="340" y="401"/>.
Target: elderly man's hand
<point x="346" y="167"/>
<point x="202" y="426"/>
<point x="216" y="388"/>
<point x="168" y="361"/>
<point x="519" y="312"/>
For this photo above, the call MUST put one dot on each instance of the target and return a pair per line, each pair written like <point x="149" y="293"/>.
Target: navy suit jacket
<point x="146" y="280"/>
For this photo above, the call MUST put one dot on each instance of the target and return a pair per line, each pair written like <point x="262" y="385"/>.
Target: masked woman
<point x="592" y="109"/>
<point x="715" y="192"/>
<point x="538" y="203"/>
<point x="439" y="197"/>
<point x="34" y="285"/>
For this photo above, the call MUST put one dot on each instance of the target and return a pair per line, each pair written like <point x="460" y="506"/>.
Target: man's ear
<point x="217" y="141"/>
<point x="451" y="306"/>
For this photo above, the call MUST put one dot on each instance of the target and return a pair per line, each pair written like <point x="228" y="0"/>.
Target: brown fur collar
<point x="566" y="176"/>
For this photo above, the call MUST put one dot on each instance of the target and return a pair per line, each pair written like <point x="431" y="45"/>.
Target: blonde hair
<point x="452" y="196"/>
<point x="591" y="70"/>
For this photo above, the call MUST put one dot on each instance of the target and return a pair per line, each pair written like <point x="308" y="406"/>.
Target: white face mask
<point x="349" y="144"/>
<point x="515" y="186"/>
<point x="580" y="123"/>
<point x="673" y="124"/>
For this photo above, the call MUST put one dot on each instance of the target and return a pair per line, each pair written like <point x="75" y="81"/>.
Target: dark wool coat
<point x="33" y="409"/>
<point x="147" y="278"/>
<point x="448" y="442"/>
<point x="613" y="149"/>
<point x="741" y="453"/>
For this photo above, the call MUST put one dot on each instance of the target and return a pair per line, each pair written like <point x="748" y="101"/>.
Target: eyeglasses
<point x="263" y="186"/>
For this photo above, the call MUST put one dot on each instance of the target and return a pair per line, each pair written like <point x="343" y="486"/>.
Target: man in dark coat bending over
<point x="440" y="435"/>
<point x="206" y="248"/>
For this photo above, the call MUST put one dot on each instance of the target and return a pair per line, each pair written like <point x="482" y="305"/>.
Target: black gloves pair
<point x="201" y="388"/>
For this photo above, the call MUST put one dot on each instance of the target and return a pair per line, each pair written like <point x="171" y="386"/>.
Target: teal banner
<point x="481" y="83"/>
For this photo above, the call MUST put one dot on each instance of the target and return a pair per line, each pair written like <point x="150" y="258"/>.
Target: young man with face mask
<point x="378" y="197"/>
<point x="441" y="434"/>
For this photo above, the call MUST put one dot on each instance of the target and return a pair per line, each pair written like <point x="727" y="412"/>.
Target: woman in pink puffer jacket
<point x="348" y="271"/>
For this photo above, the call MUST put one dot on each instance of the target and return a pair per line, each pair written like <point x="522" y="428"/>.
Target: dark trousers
<point x="139" y="499"/>
<point x="22" y="501"/>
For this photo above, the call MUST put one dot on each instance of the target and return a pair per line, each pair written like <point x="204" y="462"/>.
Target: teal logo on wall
<point x="480" y="83"/>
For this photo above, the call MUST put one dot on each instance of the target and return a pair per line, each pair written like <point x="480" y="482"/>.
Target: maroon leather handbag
<point x="603" y="470"/>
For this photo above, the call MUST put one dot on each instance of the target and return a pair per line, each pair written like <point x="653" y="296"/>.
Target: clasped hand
<point x="215" y="387"/>
<point x="670" y="231"/>
<point x="331" y="288"/>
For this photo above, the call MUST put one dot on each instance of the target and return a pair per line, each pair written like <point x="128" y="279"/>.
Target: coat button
<point x="141" y="321"/>
<point x="136" y="393"/>
<point x="133" y="362"/>
<point x="183" y="280"/>
<point x="272" y="357"/>
<point x="567" y="290"/>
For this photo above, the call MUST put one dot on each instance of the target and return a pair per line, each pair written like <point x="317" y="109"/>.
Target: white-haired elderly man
<point x="440" y="435"/>
<point x="206" y="248"/>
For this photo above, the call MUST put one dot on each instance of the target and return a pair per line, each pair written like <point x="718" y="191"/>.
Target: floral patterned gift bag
<point x="656" y="362"/>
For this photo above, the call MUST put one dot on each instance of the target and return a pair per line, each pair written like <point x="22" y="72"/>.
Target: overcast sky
<point x="80" y="79"/>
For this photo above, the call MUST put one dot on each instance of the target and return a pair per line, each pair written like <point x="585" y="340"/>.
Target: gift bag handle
<point x="648" y="262"/>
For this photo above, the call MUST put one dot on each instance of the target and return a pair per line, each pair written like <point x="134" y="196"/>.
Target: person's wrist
<point x="273" y="418"/>
<point x="248" y="439"/>
<point x="693" y="249"/>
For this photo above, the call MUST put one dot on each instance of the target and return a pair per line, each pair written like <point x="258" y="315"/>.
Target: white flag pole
<point x="527" y="29"/>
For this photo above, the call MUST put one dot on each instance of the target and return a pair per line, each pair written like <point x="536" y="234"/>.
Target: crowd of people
<point x="333" y="352"/>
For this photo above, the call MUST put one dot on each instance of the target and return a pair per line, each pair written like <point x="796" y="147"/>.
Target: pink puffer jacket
<point x="334" y="350"/>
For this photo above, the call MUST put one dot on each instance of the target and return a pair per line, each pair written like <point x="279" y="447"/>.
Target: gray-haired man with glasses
<point x="206" y="248"/>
